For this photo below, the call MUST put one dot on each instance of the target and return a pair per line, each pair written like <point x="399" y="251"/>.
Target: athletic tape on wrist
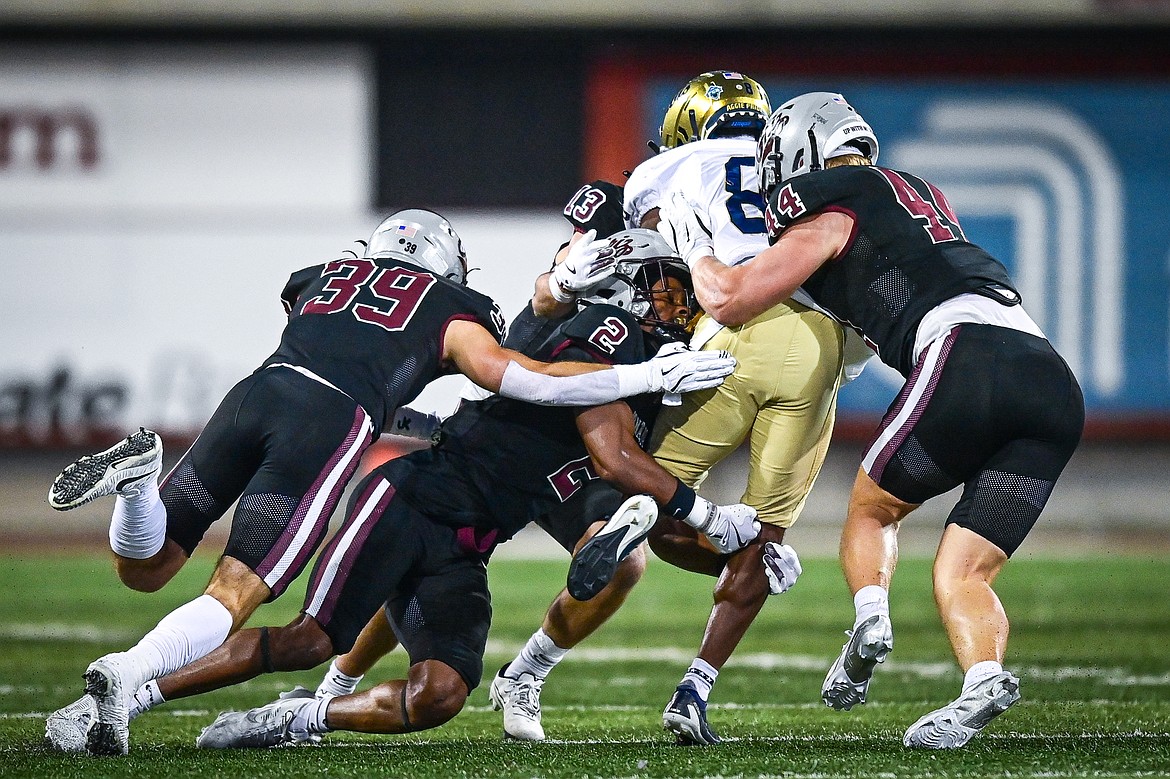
<point x="558" y="292"/>
<point x="682" y="502"/>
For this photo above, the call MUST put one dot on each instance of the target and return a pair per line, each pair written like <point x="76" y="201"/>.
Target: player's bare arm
<point x="543" y="302"/>
<point x="736" y="294"/>
<point x="472" y="349"/>
<point x="608" y="433"/>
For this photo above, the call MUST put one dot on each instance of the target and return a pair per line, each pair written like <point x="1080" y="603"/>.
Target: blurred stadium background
<point x="165" y="165"/>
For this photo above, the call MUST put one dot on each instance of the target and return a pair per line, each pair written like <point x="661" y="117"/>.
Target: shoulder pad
<point x="596" y="206"/>
<point x="808" y="194"/>
<point x="296" y="285"/>
<point x="467" y="301"/>
<point x="611" y="333"/>
<point x="495" y="322"/>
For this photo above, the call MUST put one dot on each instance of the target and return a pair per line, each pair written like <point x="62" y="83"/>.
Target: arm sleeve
<point x="588" y="389"/>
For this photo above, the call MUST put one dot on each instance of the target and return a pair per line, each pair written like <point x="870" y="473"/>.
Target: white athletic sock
<point x="138" y="527"/>
<point x="702" y="676"/>
<point x="870" y="600"/>
<point x="979" y="672"/>
<point x="336" y="682"/>
<point x="183" y="636"/>
<point x="145" y="698"/>
<point x="538" y="657"/>
<point x="311" y="717"/>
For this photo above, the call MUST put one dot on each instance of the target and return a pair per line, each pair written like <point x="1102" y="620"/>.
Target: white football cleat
<point x="953" y="725"/>
<point x="67" y="728"/>
<point x="117" y="469"/>
<point x="595" y="564"/>
<point x="519" y="699"/>
<point x="266" y="726"/>
<point x="848" y="679"/>
<point x="300" y="691"/>
<point x="112" y="681"/>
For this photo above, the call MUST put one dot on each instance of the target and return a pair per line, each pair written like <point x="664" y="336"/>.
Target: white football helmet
<point x="421" y="238"/>
<point x="803" y="132"/>
<point x="644" y="261"/>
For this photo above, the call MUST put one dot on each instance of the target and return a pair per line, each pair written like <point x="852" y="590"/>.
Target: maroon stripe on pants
<point x="319" y="518"/>
<point x="897" y="414"/>
<point x="336" y="562"/>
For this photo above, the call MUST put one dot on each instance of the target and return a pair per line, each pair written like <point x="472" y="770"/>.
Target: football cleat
<point x="266" y="726"/>
<point x="67" y="728"/>
<point x="303" y="692"/>
<point x="686" y="717"/>
<point x="594" y="566"/>
<point x="115" y="470"/>
<point x="111" y="681"/>
<point x="954" y="724"/>
<point x="847" y="681"/>
<point x="519" y="699"/>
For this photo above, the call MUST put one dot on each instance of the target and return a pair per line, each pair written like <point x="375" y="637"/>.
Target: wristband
<point x="558" y="293"/>
<point x="682" y="503"/>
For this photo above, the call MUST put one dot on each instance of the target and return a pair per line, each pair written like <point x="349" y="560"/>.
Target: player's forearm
<point x="544" y="304"/>
<point x="573" y="383"/>
<point x="632" y="471"/>
<point x="728" y="294"/>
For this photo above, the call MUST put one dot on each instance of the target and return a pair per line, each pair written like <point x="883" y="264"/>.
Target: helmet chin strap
<point x="814" y="162"/>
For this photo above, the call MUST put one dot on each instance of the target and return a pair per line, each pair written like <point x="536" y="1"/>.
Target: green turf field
<point x="1091" y="643"/>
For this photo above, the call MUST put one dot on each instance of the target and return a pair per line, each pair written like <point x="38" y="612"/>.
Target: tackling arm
<point x="473" y="350"/>
<point x="608" y="433"/>
<point x="543" y="302"/>
<point x="736" y="294"/>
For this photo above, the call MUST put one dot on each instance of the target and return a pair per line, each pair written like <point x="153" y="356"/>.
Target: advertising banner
<point x="1065" y="182"/>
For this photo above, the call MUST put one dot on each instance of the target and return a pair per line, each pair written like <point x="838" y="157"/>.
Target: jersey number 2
<point x="398" y="292"/>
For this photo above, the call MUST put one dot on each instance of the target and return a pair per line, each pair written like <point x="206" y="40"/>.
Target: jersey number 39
<point x="397" y="293"/>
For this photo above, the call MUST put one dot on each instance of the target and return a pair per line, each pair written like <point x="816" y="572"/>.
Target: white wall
<point x="157" y="267"/>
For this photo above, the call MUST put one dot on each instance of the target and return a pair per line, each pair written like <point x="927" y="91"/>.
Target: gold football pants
<point x="782" y="399"/>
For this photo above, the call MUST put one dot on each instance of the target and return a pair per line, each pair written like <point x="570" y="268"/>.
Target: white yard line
<point x="763" y="661"/>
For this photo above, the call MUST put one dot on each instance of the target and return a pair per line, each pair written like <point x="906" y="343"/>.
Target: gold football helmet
<point x="719" y="102"/>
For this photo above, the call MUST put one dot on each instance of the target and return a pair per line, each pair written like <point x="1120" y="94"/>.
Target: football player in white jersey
<point x="781" y="400"/>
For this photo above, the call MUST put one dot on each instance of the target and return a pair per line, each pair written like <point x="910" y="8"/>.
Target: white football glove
<point x="728" y="528"/>
<point x="678" y="369"/>
<point x="781" y="566"/>
<point x="587" y="263"/>
<point x="683" y="229"/>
